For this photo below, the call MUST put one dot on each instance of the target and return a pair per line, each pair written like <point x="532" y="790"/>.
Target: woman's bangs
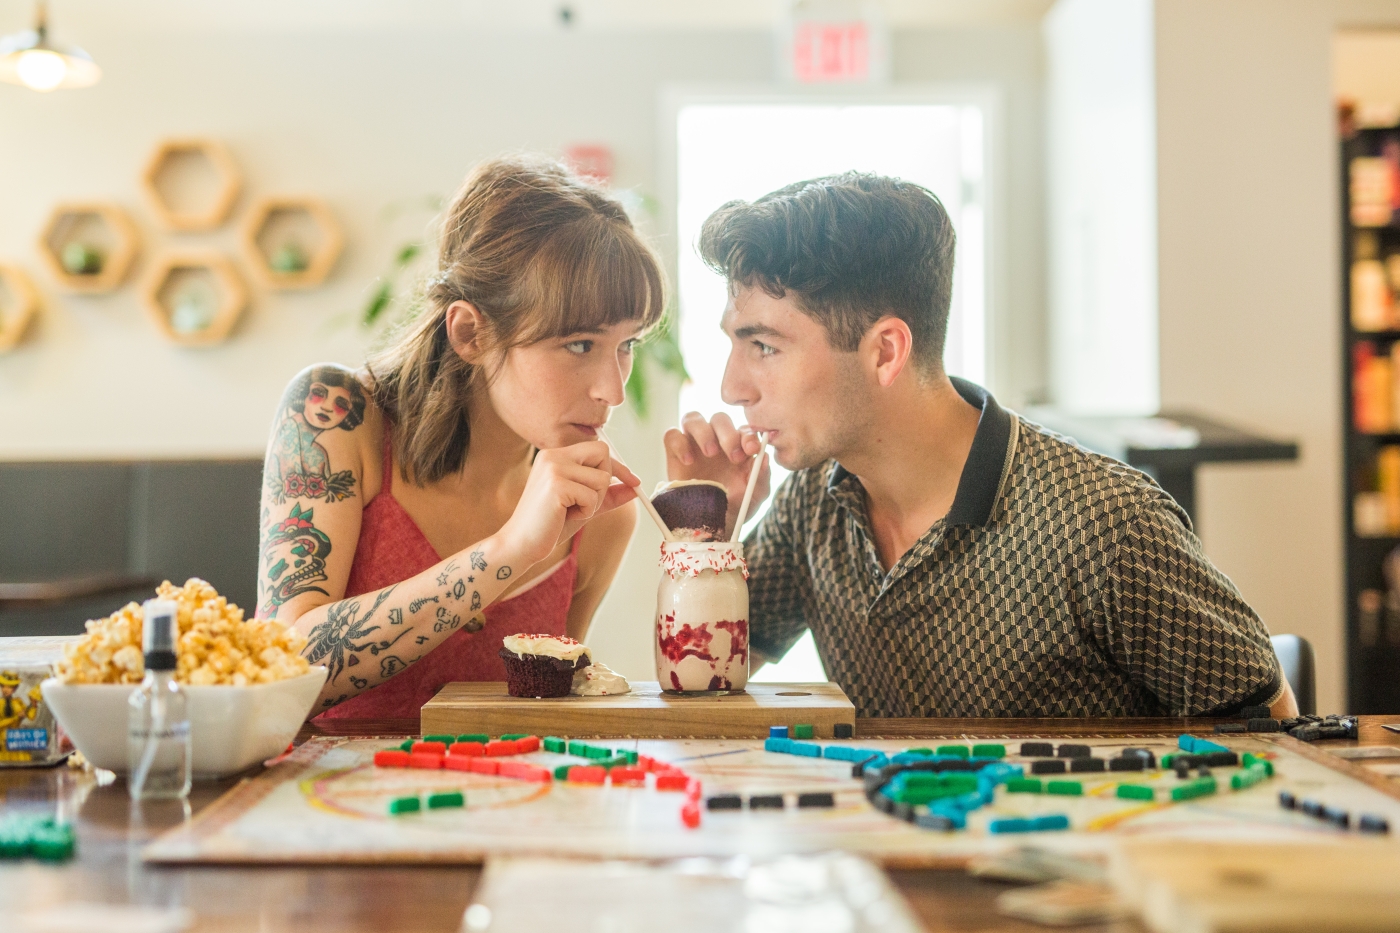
<point x="592" y="277"/>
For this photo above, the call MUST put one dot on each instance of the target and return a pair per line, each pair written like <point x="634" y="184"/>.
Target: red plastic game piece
<point x="646" y="762"/>
<point x="628" y="776"/>
<point x="692" y="789"/>
<point x="500" y="747"/>
<point x="391" y="758"/>
<point x="483" y="765"/>
<point x="587" y="774"/>
<point x="459" y="762"/>
<point x="673" y="780"/>
<point x="435" y="748"/>
<point x="690" y="815"/>
<point x="531" y="743"/>
<point x="466" y="748"/>
<point x="425" y="760"/>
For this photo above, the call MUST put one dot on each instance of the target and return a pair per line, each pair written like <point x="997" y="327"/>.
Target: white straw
<point x="641" y="496"/>
<point x="748" y="489"/>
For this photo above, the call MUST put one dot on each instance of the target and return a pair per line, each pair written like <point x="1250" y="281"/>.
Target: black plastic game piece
<point x="1132" y="763"/>
<point x="725" y="802"/>
<point x="1306" y="733"/>
<point x="1203" y="771"/>
<point x="1254" y="712"/>
<point x="1370" y="823"/>
<point x="879" y="801"/>
<point x="1221" y="759"/>
<point x="1182" y="769"/>
<point x="858" y="769"/>
<point x="766" y="802"/>
<point x="1337" y="817"/>
<point x="876" y="778"/>
<point x="1048" y="766"/>
<point x="903" y="811"/>
<point x="1264" y="725"/>
<point x="933" y="821"/>
<point x="842" y="730"/>
<point x="818" y="799"/>
<point x="1086" y="764"/>
<point x="1037" y="750"/>
<point x="1287" y="800"/>
<point x="1073" y="751"/>
<point x="1148" y="759"/>
<point x="1311" y="808"/>
<point x="1231" y="727"/>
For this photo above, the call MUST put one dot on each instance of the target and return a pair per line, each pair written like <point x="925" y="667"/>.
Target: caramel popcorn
<point x="216" y="644"/>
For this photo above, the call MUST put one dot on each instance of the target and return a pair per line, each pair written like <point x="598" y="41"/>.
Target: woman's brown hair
<point x="541" y="253"/>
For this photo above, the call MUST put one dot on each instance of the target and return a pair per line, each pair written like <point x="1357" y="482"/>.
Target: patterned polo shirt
<point x="1060" y="583"/>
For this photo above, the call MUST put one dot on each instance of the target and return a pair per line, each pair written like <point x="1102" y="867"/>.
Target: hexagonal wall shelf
<point x="192" y="184"/>
<point x="89" y="246"/>
<point x="19" y="303"/>
<point x="195" y="298"/>
<point x="292" y="242"/>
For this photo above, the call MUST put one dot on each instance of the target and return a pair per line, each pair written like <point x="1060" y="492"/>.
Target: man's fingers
<point x="701" y="433"/>
<point x="679" y="446"/>
<point x="729" y="438"/>
<point x="751" y="441"/>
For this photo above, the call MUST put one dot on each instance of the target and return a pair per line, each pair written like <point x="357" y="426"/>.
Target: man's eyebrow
<point x="756" y="330"/>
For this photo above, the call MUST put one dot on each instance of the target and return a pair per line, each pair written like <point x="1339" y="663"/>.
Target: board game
<point x="329" y="802"/>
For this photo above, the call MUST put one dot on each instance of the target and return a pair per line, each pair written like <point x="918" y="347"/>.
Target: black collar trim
<point x="988" y="466"/>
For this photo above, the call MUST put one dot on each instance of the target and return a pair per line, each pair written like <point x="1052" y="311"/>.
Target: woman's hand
<point x="567" y="487"/>
<point x="717" y="451"/>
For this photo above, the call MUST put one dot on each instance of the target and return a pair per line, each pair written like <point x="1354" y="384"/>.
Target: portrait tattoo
<point x="294" y="553"/>
<point x="297" y="466"/>
<point x="345" y="633"/>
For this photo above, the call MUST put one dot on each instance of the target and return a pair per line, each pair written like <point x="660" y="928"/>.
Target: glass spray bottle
<point x="158" y="722"/>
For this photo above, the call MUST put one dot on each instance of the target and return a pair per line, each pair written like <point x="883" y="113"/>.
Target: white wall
<point x="1102" y="246"/>
<point x="1249" y="295"/>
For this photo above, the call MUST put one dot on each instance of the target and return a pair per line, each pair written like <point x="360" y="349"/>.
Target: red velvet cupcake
<point x="541" y="665"/>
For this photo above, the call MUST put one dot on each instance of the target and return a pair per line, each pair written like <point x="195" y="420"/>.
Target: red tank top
<point x="393" y="548"/>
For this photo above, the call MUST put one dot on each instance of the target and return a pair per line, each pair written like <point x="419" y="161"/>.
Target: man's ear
<point x="465" y="327"/>
<point x="889" y="343"/>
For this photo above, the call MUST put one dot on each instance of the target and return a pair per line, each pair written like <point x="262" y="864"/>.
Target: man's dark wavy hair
<point x="851" y="248"/>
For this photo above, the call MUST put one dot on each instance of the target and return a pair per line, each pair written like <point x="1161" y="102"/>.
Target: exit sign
<point x="824" y="52"/>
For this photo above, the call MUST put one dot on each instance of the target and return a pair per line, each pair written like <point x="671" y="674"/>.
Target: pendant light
<point x="30" y="58"/>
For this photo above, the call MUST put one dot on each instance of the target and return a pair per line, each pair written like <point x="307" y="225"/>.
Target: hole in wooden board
<point x="188" y="182"/>
<point x="792" y="693"/>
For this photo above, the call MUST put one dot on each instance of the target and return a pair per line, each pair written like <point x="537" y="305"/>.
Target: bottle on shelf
<point x="158" y="723"/>
<point x="1373" y="389"/>
<point x="1372" y="304"/>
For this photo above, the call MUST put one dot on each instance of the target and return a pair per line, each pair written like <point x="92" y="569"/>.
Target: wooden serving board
<point x="646" y="712"/>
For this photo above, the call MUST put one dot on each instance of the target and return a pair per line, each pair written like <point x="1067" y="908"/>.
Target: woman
<point x="456" y="491"/>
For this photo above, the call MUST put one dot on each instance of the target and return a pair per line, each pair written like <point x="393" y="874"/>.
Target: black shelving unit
<point x="1372" y="650"/>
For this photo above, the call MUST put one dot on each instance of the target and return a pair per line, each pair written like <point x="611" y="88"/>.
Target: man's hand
<point x="716" y="450"/>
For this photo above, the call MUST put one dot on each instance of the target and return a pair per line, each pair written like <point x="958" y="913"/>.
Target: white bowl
<point x="231" y="728"/>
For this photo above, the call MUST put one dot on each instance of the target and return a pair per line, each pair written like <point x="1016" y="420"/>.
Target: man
<point x="949" y="557"/>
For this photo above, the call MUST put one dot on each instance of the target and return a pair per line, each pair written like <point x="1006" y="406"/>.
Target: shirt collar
<point x="985" y="473"/>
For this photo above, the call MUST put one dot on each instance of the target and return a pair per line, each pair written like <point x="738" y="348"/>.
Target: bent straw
<point x="748" y="488"/>
<point x="646" y="503"/>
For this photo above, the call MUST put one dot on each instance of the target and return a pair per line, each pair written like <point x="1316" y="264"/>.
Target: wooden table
<point x="111" y="832"/>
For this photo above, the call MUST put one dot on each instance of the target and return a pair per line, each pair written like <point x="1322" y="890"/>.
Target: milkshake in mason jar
<point x="702" y="617"/>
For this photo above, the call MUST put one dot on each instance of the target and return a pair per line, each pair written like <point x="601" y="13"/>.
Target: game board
<point x="328" y="803"/>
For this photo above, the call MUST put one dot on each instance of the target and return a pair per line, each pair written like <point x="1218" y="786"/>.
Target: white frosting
<point x="689" y="558"/>
<point x="549" y="646"/>
<point x="598" y="680"/>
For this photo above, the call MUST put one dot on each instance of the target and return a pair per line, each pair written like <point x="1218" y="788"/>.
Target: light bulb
<point x="41" y="69"/>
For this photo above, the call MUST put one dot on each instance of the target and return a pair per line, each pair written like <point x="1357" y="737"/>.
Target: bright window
<point x="741" y="150"/>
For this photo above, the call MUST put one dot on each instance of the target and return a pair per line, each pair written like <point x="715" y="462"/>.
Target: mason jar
<point x="702" y="617"/>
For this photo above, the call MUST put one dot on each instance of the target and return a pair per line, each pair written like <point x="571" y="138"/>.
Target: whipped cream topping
<point x="549" y="646"/>
<point x="598" y="680"/>
<point x="689" y="558"/>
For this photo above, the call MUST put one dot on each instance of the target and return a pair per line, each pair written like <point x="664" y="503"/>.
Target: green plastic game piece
<point x="802" y="732"/>
<point x="561" y="773"/>
<point x="481" y="737"/>
<point x="577" y="748"/>
<point x="401" y="805"/>
<point x="617" y="761"/>
<point x="1024" y="786"/>
<point x="593" y="751"/>
<point x="512" y="736"/>
<point x="1065" y="788"/>
<point x="407" y="745"/>
<point x="919" y="751"/>
<point x="552" y="743"/>
<point x="444" y="739"/>
<point x="1136" y="792"/>
<point x="631" y="757"/>
<point x="1201" y="787"/>
<point x="1249" y="760"/>
<point x="989" y="751"/>
<point x="961" y="751"/>
<point x="446" y="798"/>
<point x="1166" y="760"/>
<point x="52" y="843"/>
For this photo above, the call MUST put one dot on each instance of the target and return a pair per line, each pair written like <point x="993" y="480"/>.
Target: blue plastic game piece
<point x="780" y="745"/>
<point x="805" y="749"/>
<point x="777" y="732"/>
<point x="1052" y="821"/>
<point x="1010" y="825"/>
